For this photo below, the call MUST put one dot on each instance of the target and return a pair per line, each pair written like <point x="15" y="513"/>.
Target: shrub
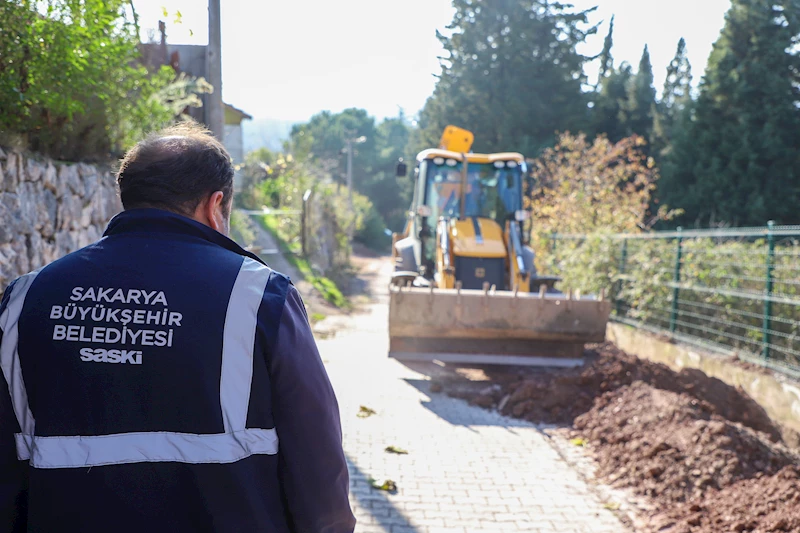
<point x="71" y="86"/>
<point x="592" y="188"/>
<point x="371" y="227"/>
<point x="241" y="229"/>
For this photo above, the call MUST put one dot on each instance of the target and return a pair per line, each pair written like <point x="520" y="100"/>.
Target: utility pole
<point x="349" y="147"/>
<point x="216" y="115"/>
<point x="350" y="186"/>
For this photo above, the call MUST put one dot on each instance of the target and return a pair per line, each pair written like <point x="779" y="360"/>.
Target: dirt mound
<point x="673" y="446"/>
<point x="765" y="504"/>
<point x="702" y="452"/>
<point x="560" y="396"/>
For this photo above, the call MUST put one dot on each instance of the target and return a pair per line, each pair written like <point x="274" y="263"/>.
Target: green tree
<point x="71" y="84"/>
<point x="610" y="112"/>
<point x="674" y="110"/>
<point x="390" y="195"/>
<point x="606" y="59"/>
<point x="678" y="83"/>
<point x="641" y="99"/>
<point x="737" y="161"/>
<point x="512" y="75"/>
<point x="323" y="141"/>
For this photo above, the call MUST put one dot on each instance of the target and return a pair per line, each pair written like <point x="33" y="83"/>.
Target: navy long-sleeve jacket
<point x="165" y="378"/>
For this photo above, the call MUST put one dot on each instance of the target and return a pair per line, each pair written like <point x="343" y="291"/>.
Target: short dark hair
<point x="175" y="169"/>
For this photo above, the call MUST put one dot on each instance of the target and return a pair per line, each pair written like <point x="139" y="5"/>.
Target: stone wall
<point x="49" y="209"/>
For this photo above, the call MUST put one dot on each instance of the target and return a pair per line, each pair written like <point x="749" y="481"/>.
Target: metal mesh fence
<point x="735" y="291"/>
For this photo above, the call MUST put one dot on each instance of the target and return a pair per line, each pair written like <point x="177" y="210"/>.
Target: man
<point x="164" y="379"/>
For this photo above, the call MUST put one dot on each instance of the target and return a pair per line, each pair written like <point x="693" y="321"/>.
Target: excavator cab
<point x="465" y="287"/>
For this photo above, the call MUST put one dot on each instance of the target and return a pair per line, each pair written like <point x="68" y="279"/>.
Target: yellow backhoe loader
<point x="465" y="287"/>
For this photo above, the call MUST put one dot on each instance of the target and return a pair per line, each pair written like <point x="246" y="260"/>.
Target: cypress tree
<point x="675" y="98"/>
<point x="678" y="83"/>
<point x="737" y="161"/>
<point x="641" y="99"/>
<point x="610" y="110"/>
<point x="606" y="59"/>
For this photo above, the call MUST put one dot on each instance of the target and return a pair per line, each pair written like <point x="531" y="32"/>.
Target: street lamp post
<point x="349" y="147"/>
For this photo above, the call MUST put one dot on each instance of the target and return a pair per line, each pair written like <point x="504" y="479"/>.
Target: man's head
<point x="182" y="169"/>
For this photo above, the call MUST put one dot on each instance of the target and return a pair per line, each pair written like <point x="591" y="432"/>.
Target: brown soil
<point x="688" y="443"/>
<point x="673" y="446"/>
<point x="771" y="504"/>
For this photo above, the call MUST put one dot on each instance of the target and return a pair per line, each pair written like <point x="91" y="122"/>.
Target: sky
<point x="289" y="59"/>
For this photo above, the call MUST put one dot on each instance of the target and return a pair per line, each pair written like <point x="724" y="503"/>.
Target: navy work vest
<point x="139" y="373"/>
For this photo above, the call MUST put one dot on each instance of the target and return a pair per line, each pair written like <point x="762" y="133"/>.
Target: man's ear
<point x="214" y="212"/>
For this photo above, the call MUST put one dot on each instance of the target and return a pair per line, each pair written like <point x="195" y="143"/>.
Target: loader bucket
<point x="493" y="327"/>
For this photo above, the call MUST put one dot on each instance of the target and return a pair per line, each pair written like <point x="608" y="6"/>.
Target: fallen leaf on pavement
<point x="396" y="449"/>
<point x="388" y="485"/>
<point x="577" y="442"/>
<point x="365" y="411"/>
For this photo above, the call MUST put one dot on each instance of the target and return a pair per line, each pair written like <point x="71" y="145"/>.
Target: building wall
<point x="234" y="142"/>
<point x="193" y="61"/>
<point x="49" y="209"/>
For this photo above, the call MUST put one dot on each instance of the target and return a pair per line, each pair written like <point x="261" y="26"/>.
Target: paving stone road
<point x="467" y="470"/>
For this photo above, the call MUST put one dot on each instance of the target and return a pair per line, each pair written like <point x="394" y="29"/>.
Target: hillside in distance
<point x="266" y="133"/>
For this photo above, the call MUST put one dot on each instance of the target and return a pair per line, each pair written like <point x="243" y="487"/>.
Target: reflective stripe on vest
<point x="241" y="321"/>
<point x="9" y="357"/>
<point x="236" y="443"/>
<point x="147" y="447"/>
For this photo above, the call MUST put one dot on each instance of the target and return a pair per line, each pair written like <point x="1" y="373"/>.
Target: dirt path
<point x="266" y="247"/>
<point x="467" y="469"/>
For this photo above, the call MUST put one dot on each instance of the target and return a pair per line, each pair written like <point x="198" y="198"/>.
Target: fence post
<point x="623" y="259"/>
<point x="673" y="316"/>
<point x="304" y="223"/>
<point x="768" y="290"/>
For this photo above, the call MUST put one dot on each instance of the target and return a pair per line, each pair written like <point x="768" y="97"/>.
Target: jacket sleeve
<point x="13" y="472"/>
<point x="313" y="469"/>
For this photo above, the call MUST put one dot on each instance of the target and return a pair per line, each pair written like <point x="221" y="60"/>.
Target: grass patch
<point x="325" y="286"/>
<point x="329" y="291"/>
<point x="241" y="229"/>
